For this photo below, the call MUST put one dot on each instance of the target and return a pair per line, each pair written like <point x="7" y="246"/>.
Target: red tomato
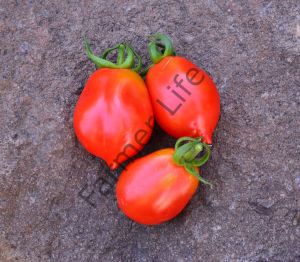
<point x="185" y="100"/>
<point x="113" y="116"/>
<point x="153" y="189"/>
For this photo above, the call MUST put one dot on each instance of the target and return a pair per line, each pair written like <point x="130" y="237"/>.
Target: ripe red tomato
<point x="113" y="116"/>
<point x="155" y="188"/>
<point x="185" y="100"/>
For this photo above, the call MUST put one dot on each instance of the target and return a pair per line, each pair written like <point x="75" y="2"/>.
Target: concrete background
<point x="251" y="49"/>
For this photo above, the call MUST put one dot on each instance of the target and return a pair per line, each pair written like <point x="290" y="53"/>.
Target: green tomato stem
<point x="160" y="41"/>
<point x="98" y="61"/>
<point x="186" y="154"/>
<point x="109" y="50"/>
<point x="139" y="60"/>
<point x="121" y="54"/>
<point x="125" y="58"/>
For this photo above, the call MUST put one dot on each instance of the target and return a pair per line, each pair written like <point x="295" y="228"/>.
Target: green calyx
<point x="126" y="57"/>
<point x="187" y="151"/>
<point x="160" y="47"/>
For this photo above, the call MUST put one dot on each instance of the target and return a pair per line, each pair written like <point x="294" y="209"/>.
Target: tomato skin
<point x="113" y="106"/>
<point x="153" y="189"/>
<point x="199" y="111"/>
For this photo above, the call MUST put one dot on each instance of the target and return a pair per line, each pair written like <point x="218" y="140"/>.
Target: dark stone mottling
<point x="251" y="48"/>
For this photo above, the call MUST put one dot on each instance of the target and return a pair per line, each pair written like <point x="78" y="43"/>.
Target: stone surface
<point x="251" y="49"/>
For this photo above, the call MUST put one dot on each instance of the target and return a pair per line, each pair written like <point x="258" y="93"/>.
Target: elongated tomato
<point x="153" y="189"/>
<point x="113" y="117"/>
<point x="185" y="100"/>
<point x="156" y="188"/>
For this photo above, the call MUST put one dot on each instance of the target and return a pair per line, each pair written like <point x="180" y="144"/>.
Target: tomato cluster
<point x="113" y="120"/>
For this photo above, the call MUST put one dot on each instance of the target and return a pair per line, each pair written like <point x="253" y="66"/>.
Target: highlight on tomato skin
<point x="157" y="187"/>
<point x="185" y="99"/>
<point x="113" y="117"/>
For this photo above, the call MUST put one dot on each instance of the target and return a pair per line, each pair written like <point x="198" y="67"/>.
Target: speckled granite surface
<point x="251" y="49"/>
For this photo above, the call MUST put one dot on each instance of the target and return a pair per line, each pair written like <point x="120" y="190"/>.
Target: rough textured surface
<point x="251" y="48"/>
